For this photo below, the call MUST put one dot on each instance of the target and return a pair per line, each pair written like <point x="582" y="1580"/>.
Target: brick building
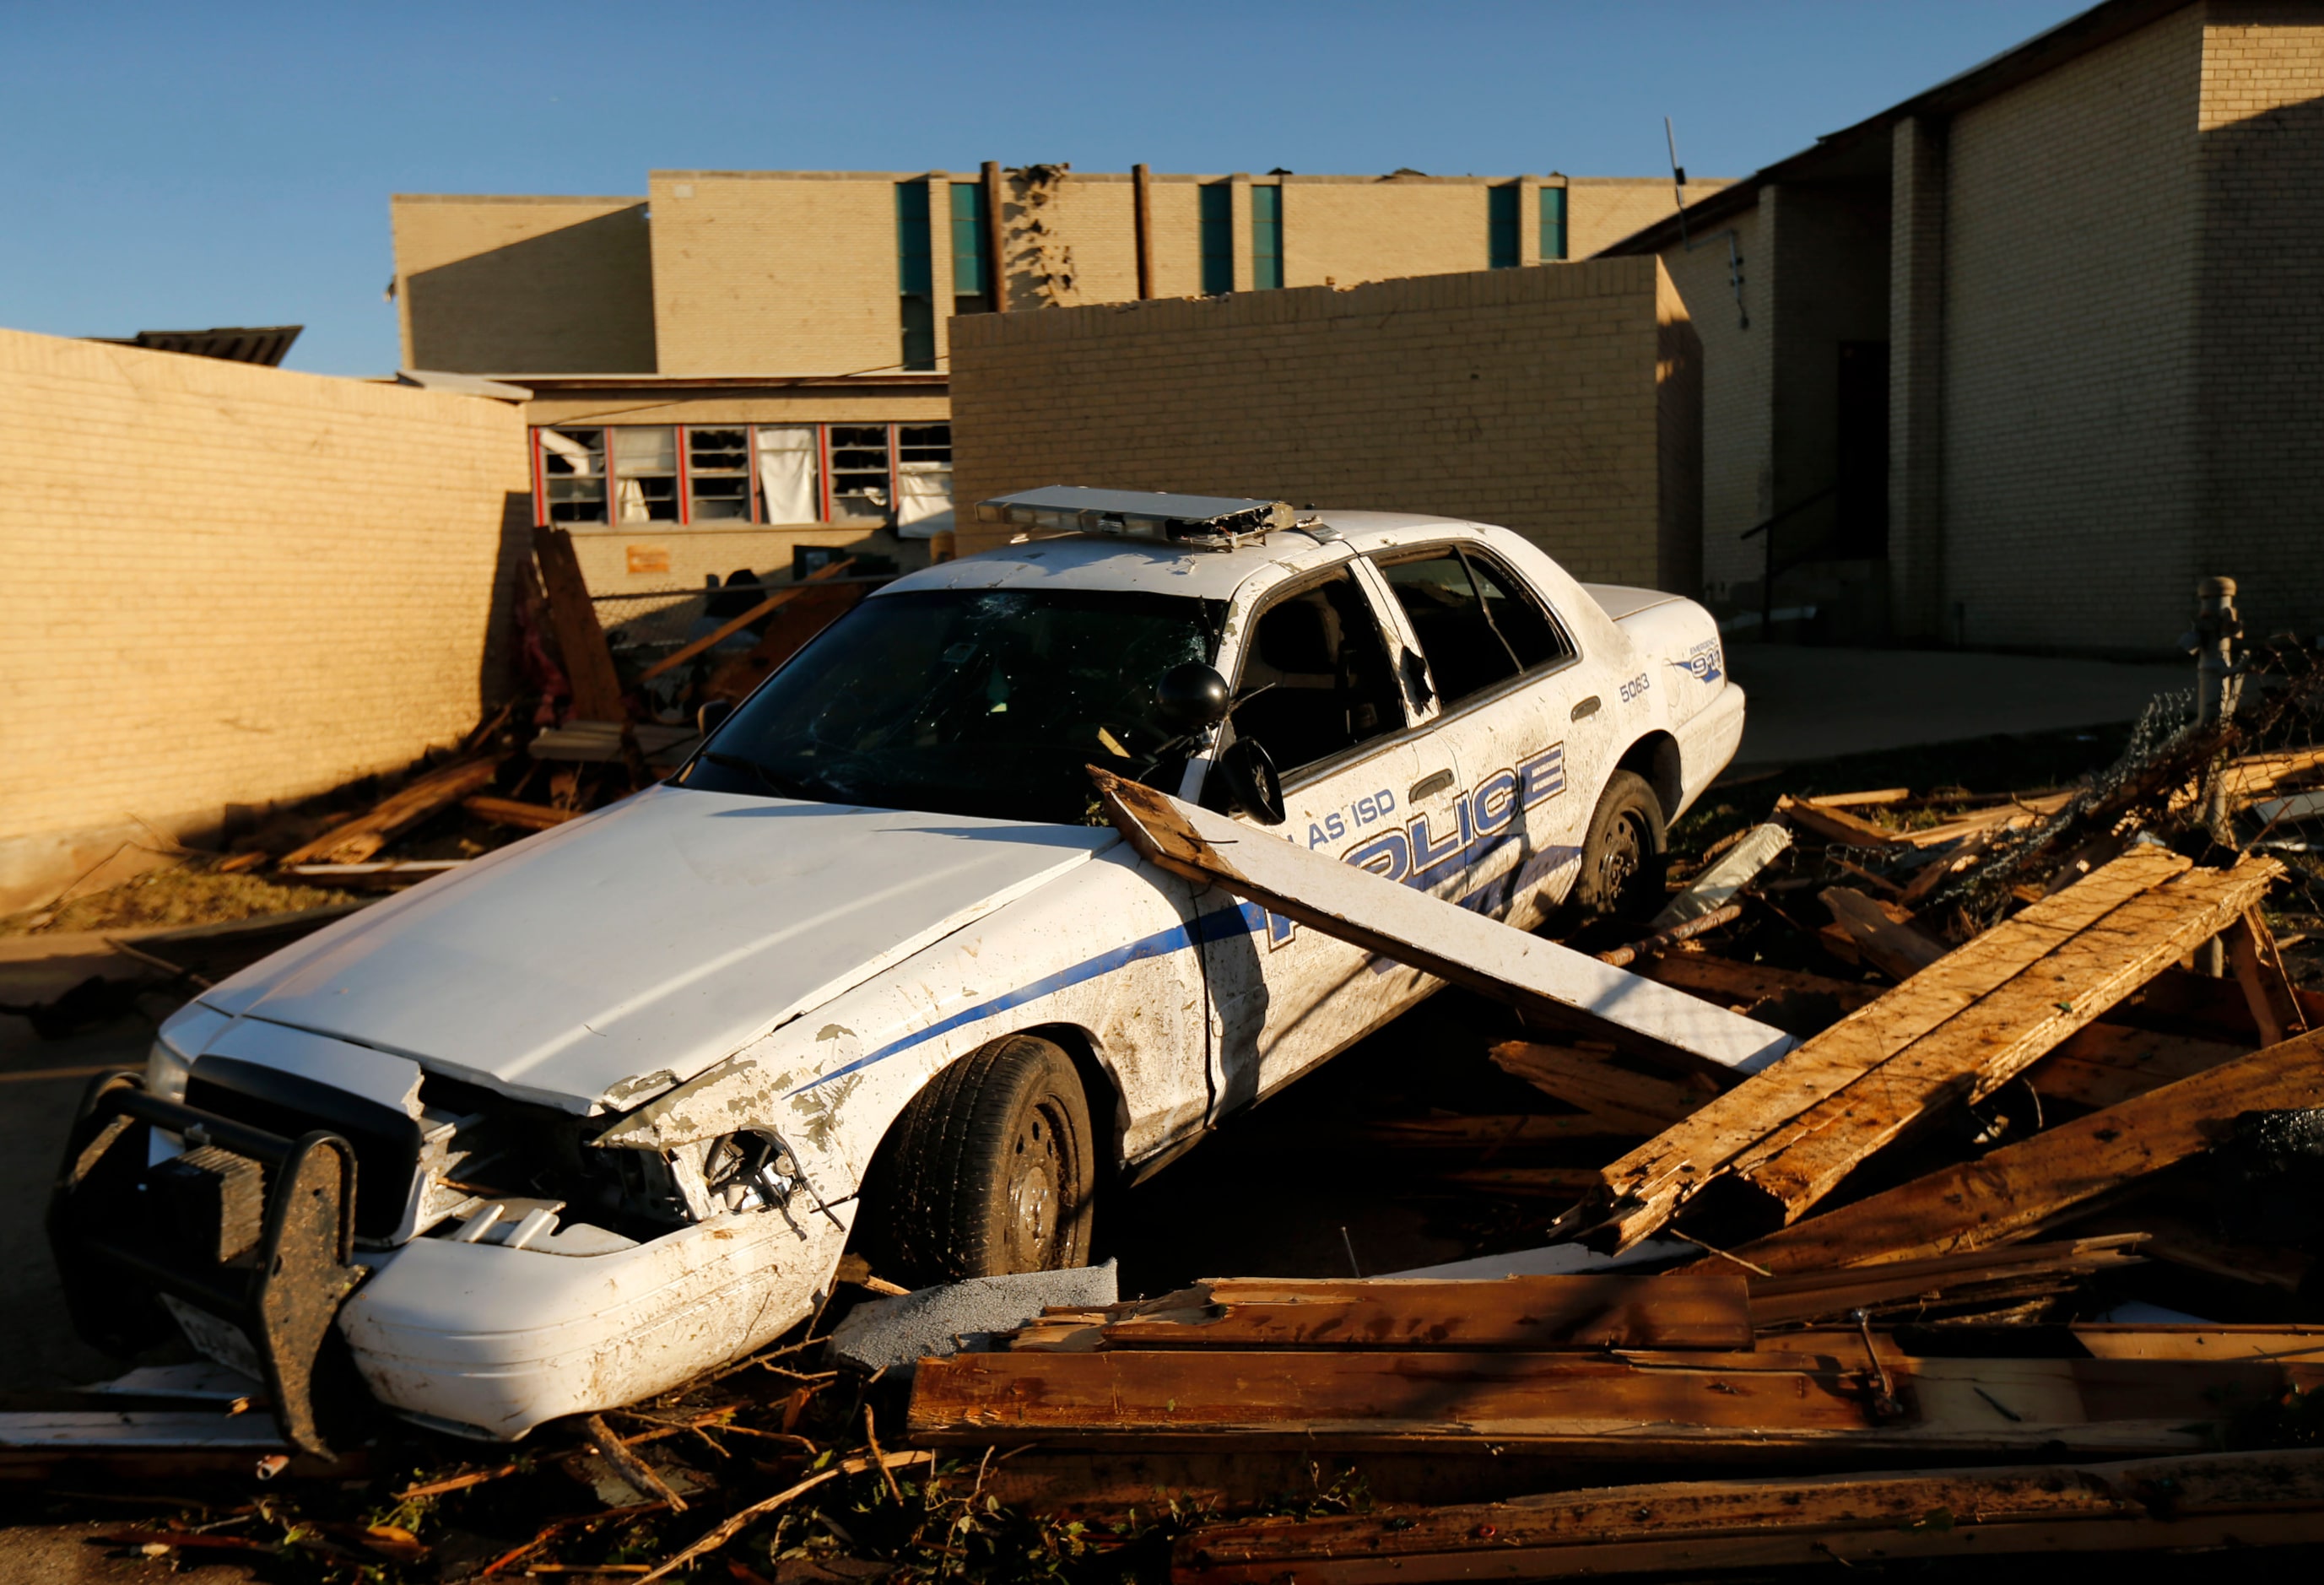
<point x="1562" y="402"/>
<point x="742" y="365"/>
<point x="2014" y="362"/>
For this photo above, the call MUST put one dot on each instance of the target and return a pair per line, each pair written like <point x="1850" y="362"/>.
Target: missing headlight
<point x="751" y="1170"/>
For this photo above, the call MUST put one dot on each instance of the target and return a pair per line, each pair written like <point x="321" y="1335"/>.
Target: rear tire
<point x="1625" y="856"/>
<point x="988" y="1171"/>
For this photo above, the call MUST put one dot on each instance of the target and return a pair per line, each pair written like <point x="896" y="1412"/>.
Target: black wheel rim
<point x="1623" y="862"/>
<point x="1037" y="1173"/>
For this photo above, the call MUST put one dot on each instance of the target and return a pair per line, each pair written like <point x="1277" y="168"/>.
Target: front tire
<point x="988" y="1171"/>
<point x="1626" y="853"/>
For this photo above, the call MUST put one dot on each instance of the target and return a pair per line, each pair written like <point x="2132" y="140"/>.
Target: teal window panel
<point x="1501" y="226"/>
<point x="1552" y="223"/>
<point x="1265" y="237"/>
<point x="912" y="251"/>
<point x="971" y="274"/>
<point x="1218" y="239"/>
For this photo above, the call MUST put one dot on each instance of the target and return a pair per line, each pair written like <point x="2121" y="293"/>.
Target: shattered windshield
<point x="968" y="702"/>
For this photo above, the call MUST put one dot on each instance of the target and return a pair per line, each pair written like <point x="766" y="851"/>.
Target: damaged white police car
<point x="603" y="1108"/>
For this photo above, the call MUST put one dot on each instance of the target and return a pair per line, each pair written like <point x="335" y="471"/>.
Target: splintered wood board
<point x="2011" y="1193"/>
<point x="1352" y="1400"/>
<point x="1710" y="1310"/>
<point x="1434" y="936"/>
<point x="1696" y="1526"/>
<point x="1956" y="1029"/>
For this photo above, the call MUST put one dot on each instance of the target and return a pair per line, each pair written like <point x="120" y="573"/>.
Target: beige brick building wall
<point x="544" y="285"/>
<point x="1737" y="394"/>
<point x="1536" y="399"/>
<point x="2070" y="478"/>
<point x="2260" y="334"/>
<point x="759" y="272"/>
<point x="230" y="585"/>
<point x="796" y="271"/>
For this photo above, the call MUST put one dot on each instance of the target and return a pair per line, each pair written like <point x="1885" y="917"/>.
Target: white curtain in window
<point x="787" y="453"/>
<point x="924" y="499"/>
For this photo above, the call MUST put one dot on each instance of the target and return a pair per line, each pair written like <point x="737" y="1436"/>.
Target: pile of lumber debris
<point x="1900" y="1240"/>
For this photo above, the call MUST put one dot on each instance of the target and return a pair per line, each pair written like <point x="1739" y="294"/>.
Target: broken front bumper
<point x="485" y="1340"/>
<point x="248" y="1227"/>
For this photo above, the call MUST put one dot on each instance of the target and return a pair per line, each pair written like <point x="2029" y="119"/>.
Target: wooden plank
<point x="1888" y="943"/>
<point x="1615" y="1095"/>
<point x="358" y="839"/>
<point x="1693" y="1526"/>
<point x="2015" y="816"/>
<point x="1540" y="978"/>
<point x="580" y="641"/>
<point x="1737" y="984"/>
<point x="2105" y="1063"/>
<point x="1647" y="1186"/>
<point x="1834" y="824"/>
<point x="1611" y="1310"/>
<point x="1793" y="1298"/>
<point x="1358" y="1399"/>
<point x="2013" y="1192"/>
<point x="1856" y="800"/>
<point x="2259" y="972"/>
<point x="774" y="602"/>
<point x="2205" y="1342"/>
<point x="1799" y="1163"/>
<point x="513" y="811"/>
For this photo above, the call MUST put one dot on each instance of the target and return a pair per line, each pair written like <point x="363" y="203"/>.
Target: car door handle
<point x="1428" y="787"/>
<point x="1586" y="709"/>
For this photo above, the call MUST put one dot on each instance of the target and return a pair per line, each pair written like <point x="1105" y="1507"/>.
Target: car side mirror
<point x="1191" y="697"/>
<point x="1248" y="773"/>
<point x="708" y="719"/>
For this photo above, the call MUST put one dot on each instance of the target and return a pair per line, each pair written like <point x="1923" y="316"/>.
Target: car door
<point x="1316" y="685"/>
<point x="1500" y="663"/>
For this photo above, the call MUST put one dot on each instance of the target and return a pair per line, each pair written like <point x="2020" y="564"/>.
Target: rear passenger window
<point x="1476" y="623"/>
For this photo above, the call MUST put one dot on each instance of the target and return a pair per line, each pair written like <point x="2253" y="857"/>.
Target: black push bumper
<point x="249" y="1227"/>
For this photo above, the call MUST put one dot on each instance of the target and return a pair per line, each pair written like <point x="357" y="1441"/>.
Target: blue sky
<point x="174" y="167"/>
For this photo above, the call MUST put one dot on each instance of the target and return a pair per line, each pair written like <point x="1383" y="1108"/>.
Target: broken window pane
<point x="645" y="473"/>
<point x="860" y="481"/>
<point x="573" y="475"/>
<point x="718" y="475"/>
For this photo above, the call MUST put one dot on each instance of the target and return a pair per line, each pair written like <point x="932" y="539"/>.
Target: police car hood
<point x="621" y="953"/>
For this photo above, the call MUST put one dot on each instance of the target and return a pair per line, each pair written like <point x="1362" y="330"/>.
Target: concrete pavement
<point x="1818" y="703"/>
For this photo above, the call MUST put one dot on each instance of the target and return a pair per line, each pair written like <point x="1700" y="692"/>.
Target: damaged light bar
<point x="1203" y="522"/>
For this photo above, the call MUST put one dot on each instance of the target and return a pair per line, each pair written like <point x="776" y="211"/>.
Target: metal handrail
<point x="1769" y="571"/>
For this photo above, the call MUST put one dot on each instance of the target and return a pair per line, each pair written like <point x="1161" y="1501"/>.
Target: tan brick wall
<point x="1737" y="394"/>
<point x="230" y="585"/>
<point x="1522" y="397"/>
<point x="1601" y="210"/>
<point x="775" y="272"/>
<point x="1916" y="386"/>
<point x="2260" y="337"/>
<point x="1355" y="231"/>
<point x="2070" y="478"/>
<point x="540" y="286"/>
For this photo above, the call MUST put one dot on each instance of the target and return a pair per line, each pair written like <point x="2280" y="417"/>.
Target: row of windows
<point x="972" y="286"/>
<point x="893" y="473"/>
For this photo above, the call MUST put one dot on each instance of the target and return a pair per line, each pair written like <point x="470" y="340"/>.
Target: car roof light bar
<point x="1204" y="522"/>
